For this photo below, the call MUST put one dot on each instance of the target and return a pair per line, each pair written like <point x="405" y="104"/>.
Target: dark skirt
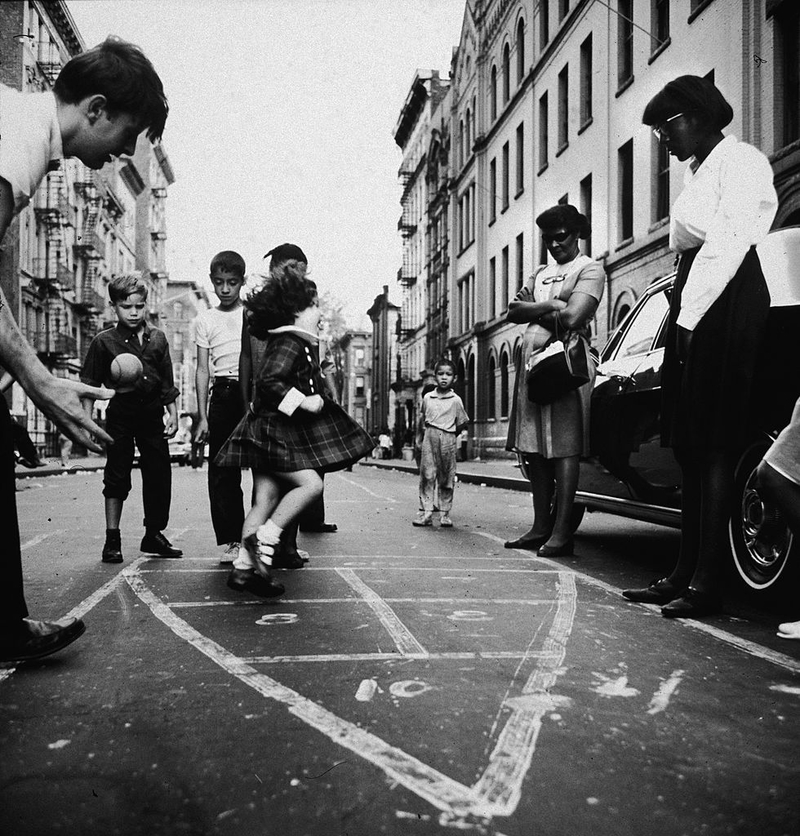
<point x="707" y="401"/>
<point x="276" y="443"/>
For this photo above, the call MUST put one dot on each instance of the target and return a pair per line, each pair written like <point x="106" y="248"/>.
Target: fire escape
<point x="51" y="273"/>
<point x="90" y="301"/>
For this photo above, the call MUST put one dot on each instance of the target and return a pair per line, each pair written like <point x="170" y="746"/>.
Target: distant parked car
<point x="631" y="475"/>
<point x="180" y="452"/>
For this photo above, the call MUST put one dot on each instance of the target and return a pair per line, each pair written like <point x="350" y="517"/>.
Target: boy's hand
<point x="201" y="431"/>
<point x="312" y="403"/>
<point x="170" y="426"/>
<point x="61" y="400"/>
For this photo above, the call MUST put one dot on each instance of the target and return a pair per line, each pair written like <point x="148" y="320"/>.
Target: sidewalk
<point x="502" y="473"/>
<point x="494" y="473"/>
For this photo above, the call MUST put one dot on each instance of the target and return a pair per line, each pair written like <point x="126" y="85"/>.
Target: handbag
<point x="559" y="368"/>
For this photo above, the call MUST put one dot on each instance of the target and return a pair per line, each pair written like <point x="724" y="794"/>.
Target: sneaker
<point x="229" y="554"/>
<point x="158" y="545"/>
<point x="423" y="518"/>
<point x="445" y="521"/>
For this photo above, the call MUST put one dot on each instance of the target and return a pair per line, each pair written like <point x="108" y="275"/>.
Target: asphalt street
<point x="411" y="681"/>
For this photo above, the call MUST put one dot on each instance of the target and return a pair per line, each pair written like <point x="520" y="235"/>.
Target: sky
<point x="280" y="126"/>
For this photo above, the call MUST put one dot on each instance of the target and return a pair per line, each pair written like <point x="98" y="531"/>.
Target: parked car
<point x="631" y="475"/>
<point x="180" y="452"/>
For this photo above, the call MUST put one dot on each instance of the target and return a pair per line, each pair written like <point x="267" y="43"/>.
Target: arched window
<point x="504" y="400"/>
<point x="520" y="50"/>
<point x="506" y="73"/>
<point x="491" y="406"/>
<point x="493" y="93"/>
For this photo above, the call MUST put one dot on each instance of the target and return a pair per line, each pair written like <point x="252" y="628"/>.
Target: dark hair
<point x="123" y="74"/>
<point x="121" y="287"/>
<point x="229" y="261"/>
<point x="285" y="252"/>
<point x="283" y="295"/>
<point x="444" y="361"/>
<point x="567" y="216"/>
<point x="689" y="94"/>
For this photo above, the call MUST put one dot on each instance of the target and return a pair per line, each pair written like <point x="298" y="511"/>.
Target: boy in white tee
<point x="218" y="335"/>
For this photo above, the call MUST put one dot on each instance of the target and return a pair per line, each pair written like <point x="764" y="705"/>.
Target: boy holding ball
<point x="135" y="415"/>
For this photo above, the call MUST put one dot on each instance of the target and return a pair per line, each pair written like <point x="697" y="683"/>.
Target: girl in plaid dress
<point x="292" y="432"/>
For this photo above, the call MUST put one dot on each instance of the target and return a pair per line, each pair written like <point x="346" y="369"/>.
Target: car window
<point x="646" y="324"/>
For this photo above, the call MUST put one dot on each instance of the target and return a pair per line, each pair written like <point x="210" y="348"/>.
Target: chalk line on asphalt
<point x="39" y="538"/>
<point x="745" y="645"/>
<point x="365" y="489"/>
<point x="498" y="790"/>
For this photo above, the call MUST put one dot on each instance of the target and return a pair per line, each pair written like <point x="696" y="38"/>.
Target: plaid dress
<point x="270" y="439"/>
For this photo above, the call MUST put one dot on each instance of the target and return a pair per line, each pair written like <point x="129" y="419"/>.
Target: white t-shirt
<point x="30" y="140"/>
<point x="221" y="333"/>
<point x="727" y="205"/>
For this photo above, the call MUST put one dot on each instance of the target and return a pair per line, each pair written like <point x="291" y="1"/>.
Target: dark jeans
<point x="224" y="483"/>
<point x="12" y="598"/>
<point x="130" y="423"/>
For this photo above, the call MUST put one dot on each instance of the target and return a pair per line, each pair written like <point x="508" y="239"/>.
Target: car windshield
<point x="642" y="331"/>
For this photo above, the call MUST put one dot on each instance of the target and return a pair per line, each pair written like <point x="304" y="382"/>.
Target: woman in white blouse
<point x="718" y="316"/>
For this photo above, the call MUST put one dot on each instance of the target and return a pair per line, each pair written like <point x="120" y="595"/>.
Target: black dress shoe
<point x="158" y="545"/>
<point x="35" y="639"/>
<point x="288" y="560"/>
<point x="692" y="604"/>
<point x="661" y="591"/>
<point x="567" y="550"/>
<point x="531" y="543"/>
<point x="248" y="580"/>
<point x="112" y="552"/>
<point x="320" y="528"/>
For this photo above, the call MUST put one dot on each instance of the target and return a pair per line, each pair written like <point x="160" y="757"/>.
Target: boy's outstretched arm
<point x="58" y="398"/>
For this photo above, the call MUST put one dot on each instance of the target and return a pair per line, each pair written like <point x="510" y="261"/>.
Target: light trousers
<point x="437" y="469"/>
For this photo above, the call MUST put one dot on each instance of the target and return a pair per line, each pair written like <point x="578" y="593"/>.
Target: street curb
<point x="510" y="483"/>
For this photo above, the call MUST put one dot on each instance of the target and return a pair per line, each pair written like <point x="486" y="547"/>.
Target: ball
<point x="125" y="370"/>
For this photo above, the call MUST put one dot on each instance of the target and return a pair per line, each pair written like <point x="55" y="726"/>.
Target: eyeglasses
<point x="554" y="279"/>
<point x="559" y="237"/>
<point x="660" y="131"/>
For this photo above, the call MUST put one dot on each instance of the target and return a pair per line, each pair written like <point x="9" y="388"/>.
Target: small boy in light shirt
<point x="442" y="418"/>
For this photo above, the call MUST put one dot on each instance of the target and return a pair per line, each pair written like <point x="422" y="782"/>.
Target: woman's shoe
<point x="659" y="592"/>
<point x="567" y="550"/>
<point x="692" y="604"/>
<point x="531" y="543"/>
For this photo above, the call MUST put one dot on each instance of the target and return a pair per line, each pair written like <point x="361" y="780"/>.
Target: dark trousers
<point x="12" y="598"/>
<point x="132" y="423"/>
<point x="224" y="483"/>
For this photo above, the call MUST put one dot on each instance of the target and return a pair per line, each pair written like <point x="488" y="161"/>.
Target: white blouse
<point x="727" y="205"/>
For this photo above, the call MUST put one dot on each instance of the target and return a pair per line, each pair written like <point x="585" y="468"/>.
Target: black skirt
<point x="707" y="401"/>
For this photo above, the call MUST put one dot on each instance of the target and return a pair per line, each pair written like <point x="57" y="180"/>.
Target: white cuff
<point x="291" y="401"/>
<point x="688" y="320"/>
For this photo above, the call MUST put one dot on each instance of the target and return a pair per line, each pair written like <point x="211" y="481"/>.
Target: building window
<point x="624" y="42"/>
<point x="360" y="388"/>
<point x="520" y="262"/>
<point x="360" y="355"/>
<point x="787" y="106"/>
<point x="493" y="190"/>
<point x="468" y="139"/>
<point x="659" y="23"/>
<point x="504" y="175"/>
<point x="625" y="188"/>
<point x="564" y="199"/>
<point x="504" y="278"/>
<point x="506" y="73"/>
<point x="491" y="385"/>
<point x="177" y="341"/>
<point x="563" y="9"/>
<point x="520" y="50"/>
<point x="465" y="302"/>
<point x="461" y="138"/>
<point x="586" y="209"/>
<point x="586" y="81"/>
<point x="504" y="399"/>
<point x="520" y="158"/>
<point x="563" y="108"/>
<point x="543" y="132"/>
<point x="544" y="23"/>
<point x="493" y="93"/>
<point x="177" y="310"/>
<point x="661" y="180"/>
<point x="492" y="287"/>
